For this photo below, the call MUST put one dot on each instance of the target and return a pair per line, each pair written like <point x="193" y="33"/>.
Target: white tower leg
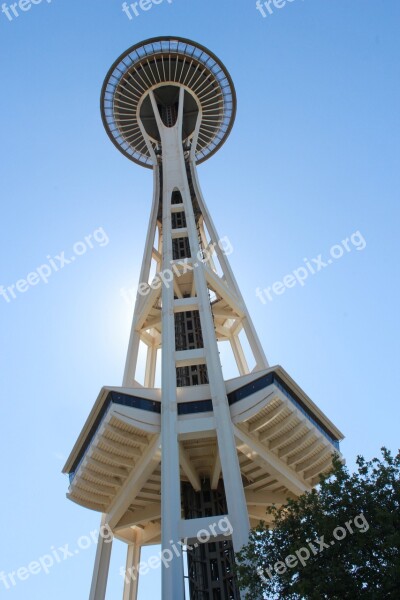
<point x="131" y="587"/>
<point x="151" y="362"/>
<point x="239" y="355"/>
<point x="226" y="442"/>
<point x="254" y="341"/>
<point x="101" y="567"/>
<point x="173" y="576"/>
<point x="134" y="341"/>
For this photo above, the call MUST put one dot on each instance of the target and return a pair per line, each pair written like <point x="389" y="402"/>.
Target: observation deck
<point x="283" y="441"/>
<point x="164" y="65"/>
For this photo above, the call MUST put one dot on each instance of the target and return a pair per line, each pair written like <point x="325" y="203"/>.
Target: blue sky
<point x="313" y="158"/>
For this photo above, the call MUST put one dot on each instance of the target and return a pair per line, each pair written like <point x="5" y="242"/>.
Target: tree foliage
<point x="350" y="527"/>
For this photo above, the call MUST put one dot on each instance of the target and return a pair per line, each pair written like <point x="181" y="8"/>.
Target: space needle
<point x="165" y="464"/>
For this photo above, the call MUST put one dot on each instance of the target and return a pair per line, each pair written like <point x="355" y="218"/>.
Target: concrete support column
<point x="131" y="587"/>
<point x="134" y="341"/>
<point x="252" y="336"/>
<point x="239" y="355"/>
<point x="226" y="441"/>
<point x="173" y="576"/>
<point x="101" y="566"/>
<point x="151" y="362"/>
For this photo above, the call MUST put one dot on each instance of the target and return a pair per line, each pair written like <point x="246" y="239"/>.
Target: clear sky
<point x="313" y="158"/>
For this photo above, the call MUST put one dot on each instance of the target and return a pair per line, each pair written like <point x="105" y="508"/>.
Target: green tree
<point x="339" y="541"/>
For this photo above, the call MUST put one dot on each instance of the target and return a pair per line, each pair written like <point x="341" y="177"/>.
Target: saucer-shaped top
<point x="165" y="64"/>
